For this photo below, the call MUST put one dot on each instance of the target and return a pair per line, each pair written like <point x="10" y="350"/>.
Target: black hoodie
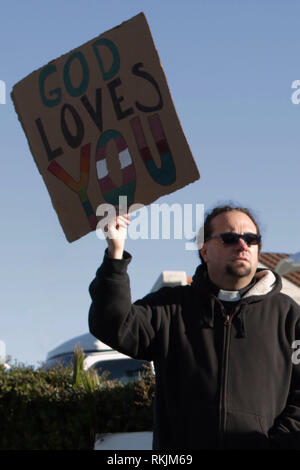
<point x="219" y="384"/>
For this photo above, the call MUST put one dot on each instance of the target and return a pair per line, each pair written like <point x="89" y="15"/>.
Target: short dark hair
<point x="207" y="227"/>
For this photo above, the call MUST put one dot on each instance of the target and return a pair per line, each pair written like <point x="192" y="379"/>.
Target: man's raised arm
<point x="113" y="318"/>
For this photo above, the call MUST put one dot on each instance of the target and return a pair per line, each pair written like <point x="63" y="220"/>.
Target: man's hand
<point x="115" y="234"/>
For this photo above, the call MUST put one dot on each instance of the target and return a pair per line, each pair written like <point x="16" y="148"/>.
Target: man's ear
<point x="203" y="252"/>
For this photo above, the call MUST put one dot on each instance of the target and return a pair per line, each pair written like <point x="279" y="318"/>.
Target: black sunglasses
<point x="231" y="238"/>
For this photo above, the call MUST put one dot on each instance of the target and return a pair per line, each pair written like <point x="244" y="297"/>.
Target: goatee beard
<point x="236" y="271"/>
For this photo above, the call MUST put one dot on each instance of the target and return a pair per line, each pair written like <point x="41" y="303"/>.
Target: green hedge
<point x="50" y="410"/>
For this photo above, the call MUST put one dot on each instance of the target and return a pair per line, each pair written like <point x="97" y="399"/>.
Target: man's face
<point x="231" y="266"/>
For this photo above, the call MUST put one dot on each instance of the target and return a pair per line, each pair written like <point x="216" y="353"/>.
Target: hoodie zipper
<point x="222" y="407"/>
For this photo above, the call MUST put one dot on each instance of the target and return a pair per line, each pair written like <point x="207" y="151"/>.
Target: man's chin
<point x="238" y="270"/>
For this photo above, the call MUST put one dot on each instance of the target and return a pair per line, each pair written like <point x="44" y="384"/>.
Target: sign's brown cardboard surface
<point x="101" y="123"/>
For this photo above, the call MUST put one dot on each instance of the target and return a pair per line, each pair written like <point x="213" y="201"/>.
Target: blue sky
<point x="230" y="66"/>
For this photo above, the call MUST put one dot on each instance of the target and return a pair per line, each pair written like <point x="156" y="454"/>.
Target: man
<point x="221" y="347"/>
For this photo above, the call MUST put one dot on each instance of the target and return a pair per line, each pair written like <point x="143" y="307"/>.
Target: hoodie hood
<point x="267" y="283"/>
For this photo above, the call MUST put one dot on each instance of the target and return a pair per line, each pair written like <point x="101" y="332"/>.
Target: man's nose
<point x="242" y="245"/>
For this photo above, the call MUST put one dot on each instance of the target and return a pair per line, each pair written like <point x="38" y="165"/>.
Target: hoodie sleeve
<point x="138" y="330"/>
<point x="286" y="432"/>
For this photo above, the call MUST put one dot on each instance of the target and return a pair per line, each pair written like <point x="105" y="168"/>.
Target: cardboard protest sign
<point x="101" y="123"/>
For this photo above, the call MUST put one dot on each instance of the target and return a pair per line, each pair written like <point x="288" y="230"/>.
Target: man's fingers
<point x="121" y="221"/>
<point x="121" y="224"/>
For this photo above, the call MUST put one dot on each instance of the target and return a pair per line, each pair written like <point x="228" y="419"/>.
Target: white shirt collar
<point x="229" y="295"/>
